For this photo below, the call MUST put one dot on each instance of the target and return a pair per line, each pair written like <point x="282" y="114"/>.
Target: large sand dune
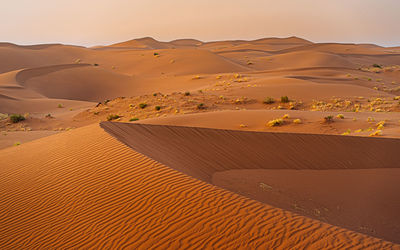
<point x="223" y="156"/>
<point x="84" y="189"/>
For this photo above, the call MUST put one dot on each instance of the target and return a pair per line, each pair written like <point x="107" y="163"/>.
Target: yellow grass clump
<point x="347" y="132"/>
<point x="275" y="122"/>
<point x="376" y="133"/>
<point x="340" y="116"/>
<point x="297" y="121"/>
<point x="286" y="116"/>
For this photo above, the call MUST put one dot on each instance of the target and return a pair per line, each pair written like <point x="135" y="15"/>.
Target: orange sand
<point x="91" y="191"/>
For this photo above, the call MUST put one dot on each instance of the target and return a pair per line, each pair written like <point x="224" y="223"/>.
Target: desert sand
<point x="271" y="143"/>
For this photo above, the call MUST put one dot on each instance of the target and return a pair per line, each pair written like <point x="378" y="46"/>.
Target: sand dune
<point x="223" y="156"/>
<point x="93" y="192"/>
<point x="81" y="188"/>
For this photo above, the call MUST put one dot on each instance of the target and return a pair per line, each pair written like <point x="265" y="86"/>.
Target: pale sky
<point x="95" y="22"/>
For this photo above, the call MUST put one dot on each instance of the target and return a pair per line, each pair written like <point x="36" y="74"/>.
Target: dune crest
<point x="91" y="191"/>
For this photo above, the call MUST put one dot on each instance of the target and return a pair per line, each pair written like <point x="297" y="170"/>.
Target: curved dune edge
<point x="244" y="161"/>
<point x="208" y="151"/>
<point x="84" y="189"/>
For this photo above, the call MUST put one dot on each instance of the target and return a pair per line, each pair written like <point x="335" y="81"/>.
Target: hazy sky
<point x="94" y="22"/>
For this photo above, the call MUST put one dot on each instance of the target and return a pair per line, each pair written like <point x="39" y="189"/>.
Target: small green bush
<point x="15" y="118"/>
<point x="187" y="93"/>
<point x="156" y="54"/>
<point x="155" y="94"/>
<point x="142" y="105"/>
<point x="284" y="99"/>
<point x="60" y="106"/>
<point x="268" y="100"/>
<point x="375" y="65"/>
<point x="112" y="117"/>
<point x="134" y="119"/>
<point x="201" y="106"/>
<point x="328" y="118"/>
<point x="157" y="108"/>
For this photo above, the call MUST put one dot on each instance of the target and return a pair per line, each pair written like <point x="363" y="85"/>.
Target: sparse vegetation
<point x="376" y="133"/>
<point x="201" y="106"/>
<point x="156" y="54"/>
<point x="15" y="118"/>
<point x="328" y="119"/>
<point x="196" y="77"/>
<point x="187" y="93"/>
<point x="297" y="121"/>
<point x="48" y="116"/>
<point x="142" y="105"/>
<point x="285" y="99"/>
<point x="286" y="116"/>
<point x="60" y="106"/>
<point x="96" y="64"/>
<point x="269" y="100"/>
<point x="375" y="65"/>
<point x="340" y="116"/>
<point x="155" y="94"/>
<point x="134" y="119"/>
<point x="157" y="108"/>
<point x="275" y="122"/>
<point x="347" y="132"/>
<point x="113" y="117"/>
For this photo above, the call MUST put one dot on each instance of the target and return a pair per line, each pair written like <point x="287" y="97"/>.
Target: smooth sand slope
<point x="204" y="153"/>
<point x="84" y="189"/>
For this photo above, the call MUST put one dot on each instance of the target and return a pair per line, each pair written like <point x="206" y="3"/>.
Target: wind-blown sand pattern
<point x="236" y="160"/>
<point x="225" y="178"/>
<point x="90" y="191"/>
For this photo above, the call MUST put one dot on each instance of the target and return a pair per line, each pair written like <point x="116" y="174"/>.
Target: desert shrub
<point x="297" y="121"/>
<point x="340" y="116"/>
<point x="376" y="133"/>
<point x="187" y="93"/>
<point x="96" y="64"/>
<point x="155" y="94"/>
<point x="328" y="118"/>
<point x="60" y="106"/>
<point x="156" y="54"/>
<point x="375" y="65"/>
<point x="286" y="116"/>
<point x="196" y="77"/>
<point x="201" y="106"/>
<point x="347" y="132"/>
<point x="157" y="108"/>
<point x="134" y="119"/>
<point x="284" y="99"/>
<point x="106" y="101"/>
<point x="268" y="100"/>
<point x="142" y="105"/>
<point x="49" y="116"/>
<point x="112" y="117"/>
<point x="3" y="116"/>
<point x="15" y="118"/>
<point x="275" y="122"/>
